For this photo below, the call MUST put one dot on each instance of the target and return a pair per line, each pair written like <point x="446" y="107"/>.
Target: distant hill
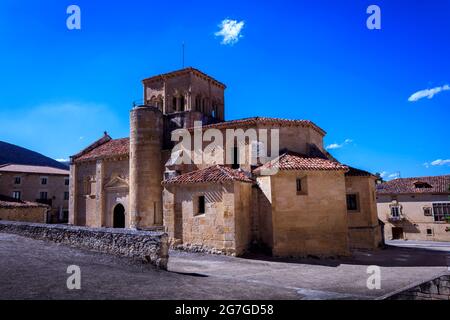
<point x="10" y="153"/>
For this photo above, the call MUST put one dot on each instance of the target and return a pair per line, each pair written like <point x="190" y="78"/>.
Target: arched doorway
<point x="119" y="216"/>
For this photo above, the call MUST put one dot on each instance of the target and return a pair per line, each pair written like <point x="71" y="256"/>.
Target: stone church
<point x="313" y="205"/>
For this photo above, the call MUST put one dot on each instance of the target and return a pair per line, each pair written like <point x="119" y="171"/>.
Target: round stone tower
<point x="145" y="191"/>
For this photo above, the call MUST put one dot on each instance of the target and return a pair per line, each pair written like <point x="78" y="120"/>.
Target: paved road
<point x="31" y="269"/>
<point x="323" y="279"/>
<point x="430" y="245"/>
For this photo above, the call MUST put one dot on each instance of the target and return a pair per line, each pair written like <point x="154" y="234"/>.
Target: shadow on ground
<point x="389" y="256"/>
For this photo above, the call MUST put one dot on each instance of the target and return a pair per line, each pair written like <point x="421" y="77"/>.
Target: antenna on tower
<point x="183" y="53"/>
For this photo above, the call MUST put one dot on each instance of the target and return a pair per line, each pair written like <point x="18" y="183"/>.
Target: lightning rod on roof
<point x="183" y="54"/>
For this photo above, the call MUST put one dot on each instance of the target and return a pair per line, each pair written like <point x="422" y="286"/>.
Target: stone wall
<point x="25" y="214"/>
<point x="224" y="227"/>
<point x="96" y="188"/>
<point x="149" y="247"/>
<point x="145" y="190"/>
<point x="192" y="87"/>
<point x="364" y="230"/>
<point x="313" y="222"/>
<point x="435" y="289"/>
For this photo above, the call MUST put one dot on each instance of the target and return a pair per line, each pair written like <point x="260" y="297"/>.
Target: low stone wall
<point x="26" y="214"/>
<point x="434" y="289"/>
<point x="150" y="247"/>
<point x="194" y="248"/>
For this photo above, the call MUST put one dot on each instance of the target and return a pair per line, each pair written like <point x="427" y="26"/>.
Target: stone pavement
<point x="325" y="279"/>
<point x="32" y="269"/>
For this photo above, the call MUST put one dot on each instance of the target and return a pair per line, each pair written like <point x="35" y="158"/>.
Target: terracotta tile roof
<point x="295" y="161"/>
<point x="214" y="173"/>
<point x="248" y="122"/>
<point x="19" y="168"/>
<point x="438" y="184"/>
<point x="182" y="72"/>
<point x="8" y="202"/>
<point x="109" y="148"/>
<point x="354" y="172"/>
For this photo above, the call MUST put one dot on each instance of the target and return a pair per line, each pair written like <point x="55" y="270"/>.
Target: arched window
<point x="174" y="103"/>
<point x="215" y="108"/>
<point x="205" y="106"/>
<point x="159" y="102"/>
<point x="152" y="100"/>
<point x="182" y="103"/>
<point x="198" y="101"/>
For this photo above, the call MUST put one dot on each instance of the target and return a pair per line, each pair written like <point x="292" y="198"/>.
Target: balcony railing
<point x="395" y="218"/>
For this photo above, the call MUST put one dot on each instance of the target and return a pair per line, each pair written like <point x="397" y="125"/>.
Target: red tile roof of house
<point x="20" y="168"/>
<point x="8" y="202"/>
<point x="248" y="122"/>
<point x="214" y="173"/>
<point x="295" y="161"/>
<point x="439" y="184"/>
<point x="104" y="148"/>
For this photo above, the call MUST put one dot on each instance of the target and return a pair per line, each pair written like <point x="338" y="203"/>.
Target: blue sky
<point x="316" y="60"/>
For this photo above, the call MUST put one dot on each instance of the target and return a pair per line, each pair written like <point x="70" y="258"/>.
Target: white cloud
<point x="394" y="175"/>
<point x="439" y="162"/>
<point x="389" y="175"/>
<point x="383" y="174"/>
<point x="339" y="145"/>
<point x="427" y="93"/>
<point x="230" y="30"/>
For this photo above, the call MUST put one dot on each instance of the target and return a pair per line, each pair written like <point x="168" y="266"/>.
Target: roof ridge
<point x="213" y="173"/>
<point x="182" y="71"/>
<point x="291" y="160"/>
<point x="422" y="177"/>
<point x="262" y="119"/>
<point x="106" y="138"/>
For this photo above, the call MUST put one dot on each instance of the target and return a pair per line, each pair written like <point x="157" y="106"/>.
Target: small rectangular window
<point x="429" y="232"/>
<point x="352" y="202"/>
<point x="66" y="181"/>
<point x="299" y="185"/>
<point x="427" y="212"/>
<point x="43" y="195"/>
<point x="66" y="195"/>
<point x="44" y="181"/>
<point x="17" y="180"/>
<point x="201" y="205"/>
<point x="17" y="195"/>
